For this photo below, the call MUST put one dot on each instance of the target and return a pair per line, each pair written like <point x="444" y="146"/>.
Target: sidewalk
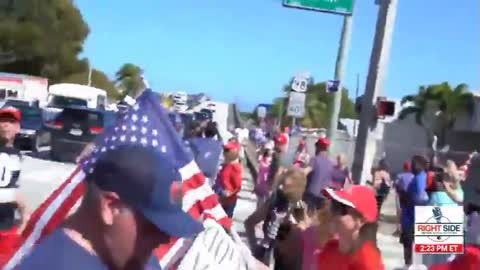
<point x="246" y="204"/>
<point x="390" y="247"/>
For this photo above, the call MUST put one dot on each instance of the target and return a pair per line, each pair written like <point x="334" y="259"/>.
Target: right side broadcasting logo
<point x="439" y="229"/>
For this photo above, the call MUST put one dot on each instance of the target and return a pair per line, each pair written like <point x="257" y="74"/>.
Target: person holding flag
<point x="146" y="124"/>
<point x="127" y="211"/>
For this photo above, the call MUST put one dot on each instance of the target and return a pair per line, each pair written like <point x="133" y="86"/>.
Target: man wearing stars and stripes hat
<point x="129" y="183"/>
<point x="126" y="213"/>
<point x="127" y="210"/>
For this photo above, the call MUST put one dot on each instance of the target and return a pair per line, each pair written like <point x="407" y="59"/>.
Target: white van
<point x="65" y="94"/>
<point x="23" y="87"/>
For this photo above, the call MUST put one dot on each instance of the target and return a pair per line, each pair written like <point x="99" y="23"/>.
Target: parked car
<point x="33" y="134"/>
<point x="74" y="128"/>
<point x="20" y="102"/>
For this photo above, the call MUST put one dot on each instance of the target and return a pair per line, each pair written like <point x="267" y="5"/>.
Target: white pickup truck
<point x="65" y="94"/>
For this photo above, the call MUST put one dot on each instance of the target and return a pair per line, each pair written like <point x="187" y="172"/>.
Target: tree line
<point x="318" y="105"/>
<point x="436" y="107"/>
<point x="45" y="38"/>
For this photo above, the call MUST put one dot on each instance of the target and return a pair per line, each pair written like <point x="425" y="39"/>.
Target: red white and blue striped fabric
<point x="198" y="198"/>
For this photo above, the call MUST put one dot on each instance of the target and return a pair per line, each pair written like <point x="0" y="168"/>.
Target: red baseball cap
<point x="360" y="198"/>
<point x="232" y="146"/>
<point x="406" y="166"/>
<point x="323" y="142"/>
<point x="10" y="112"/>
<point x="281" y="139"/>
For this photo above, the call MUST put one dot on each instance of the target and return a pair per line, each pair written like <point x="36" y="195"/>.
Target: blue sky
<point x="244" y="51"/>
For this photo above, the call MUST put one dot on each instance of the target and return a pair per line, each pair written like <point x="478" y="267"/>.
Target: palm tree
<point x="315" y="113"/>
<point x="129" y="80"/>
<point x="446" y="104"/>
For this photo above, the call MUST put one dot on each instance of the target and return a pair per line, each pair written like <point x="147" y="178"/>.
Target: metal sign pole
<point x="339" y="70"/>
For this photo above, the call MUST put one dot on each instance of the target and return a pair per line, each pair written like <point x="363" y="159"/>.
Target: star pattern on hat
<point x="134" y="127"/>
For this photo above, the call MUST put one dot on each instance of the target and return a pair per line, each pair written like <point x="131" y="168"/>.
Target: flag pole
<point x="146" y="85"/>
<point x="89" y="75"/>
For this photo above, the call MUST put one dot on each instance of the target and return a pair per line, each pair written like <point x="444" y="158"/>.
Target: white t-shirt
<point x="242" y="134"/>
<point x="9" y="174"/>
<point x="270" y="144"/>
<point x="9" y="167"/>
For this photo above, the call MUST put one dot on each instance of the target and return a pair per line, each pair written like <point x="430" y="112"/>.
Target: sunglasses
<point x="339" y="209"/>
<point x="8" y="120"/>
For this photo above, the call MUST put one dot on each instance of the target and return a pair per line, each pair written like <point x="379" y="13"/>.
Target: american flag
<point x="145" y="123"/>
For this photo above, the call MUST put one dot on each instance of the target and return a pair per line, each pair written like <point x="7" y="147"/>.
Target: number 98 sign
<point x="299" y="84"/>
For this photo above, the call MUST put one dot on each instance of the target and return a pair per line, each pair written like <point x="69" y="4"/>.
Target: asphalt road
<point x="40" y="177"/>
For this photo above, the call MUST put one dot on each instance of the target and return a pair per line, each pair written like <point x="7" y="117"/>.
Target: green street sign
<point x="344" y="7"/>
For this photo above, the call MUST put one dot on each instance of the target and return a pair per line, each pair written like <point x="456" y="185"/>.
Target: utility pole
<point x="280" y="110"/>
<point x="365" y="146"/>
<point x="339" y="70"/>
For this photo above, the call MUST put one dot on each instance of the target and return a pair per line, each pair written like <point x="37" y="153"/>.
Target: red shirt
<point x="468" y="261"/>
<point x="365" y="258"/>
<point x="430" y="185"/>
<point x="230" y="179"/>
<point x="10" y="240"/>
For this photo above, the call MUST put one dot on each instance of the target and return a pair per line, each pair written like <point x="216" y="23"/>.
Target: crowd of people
<point x="311" y="213"/>
<point x="328" y="222"/>
<point x="424" y="182"/>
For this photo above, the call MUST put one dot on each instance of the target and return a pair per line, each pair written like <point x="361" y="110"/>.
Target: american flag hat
<point x="143" y="177"/>
<point x="145" y="124"/>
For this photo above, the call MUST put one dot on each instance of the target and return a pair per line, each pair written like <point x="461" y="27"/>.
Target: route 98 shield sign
<point x="300" y="83"/>
<point x="296" y="105"/>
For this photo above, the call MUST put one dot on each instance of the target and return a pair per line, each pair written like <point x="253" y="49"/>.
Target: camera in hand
<point x="438" y="175"/>
<point x="272" y="226"/>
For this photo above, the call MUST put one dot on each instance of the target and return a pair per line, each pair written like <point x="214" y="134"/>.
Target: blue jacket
<point x="415" y="195"/>
<point x="418" y="189"/>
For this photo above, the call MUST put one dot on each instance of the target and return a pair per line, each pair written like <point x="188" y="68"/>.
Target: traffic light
<point x="358" y="104"/>
<point x="385" y="107"/>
